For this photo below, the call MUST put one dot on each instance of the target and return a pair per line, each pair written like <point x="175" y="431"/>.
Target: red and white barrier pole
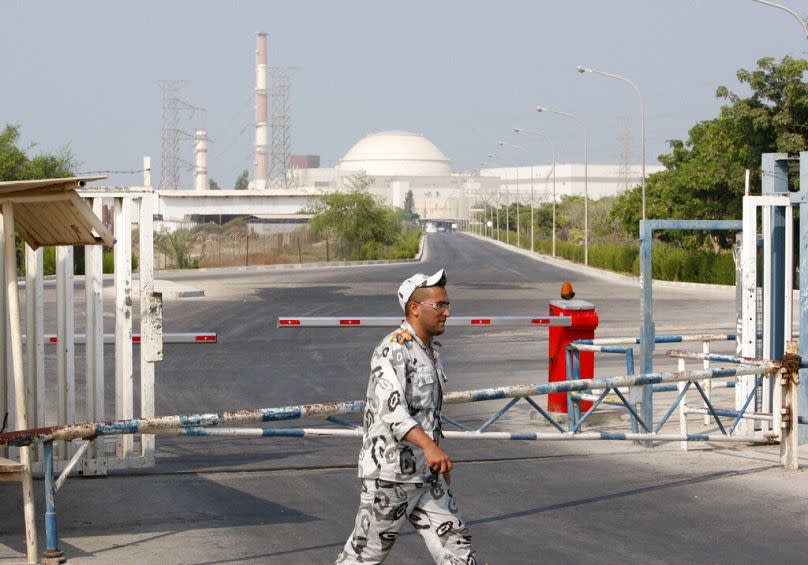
<point x="455" y="321"/>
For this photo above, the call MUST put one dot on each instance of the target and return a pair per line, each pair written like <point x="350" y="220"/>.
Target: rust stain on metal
<point x="791" y="362"/>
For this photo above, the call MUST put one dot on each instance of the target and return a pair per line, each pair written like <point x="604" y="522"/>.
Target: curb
<point x="600" y="273"/>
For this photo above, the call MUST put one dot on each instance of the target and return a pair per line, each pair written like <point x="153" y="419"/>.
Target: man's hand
<point x="436" y="459"/>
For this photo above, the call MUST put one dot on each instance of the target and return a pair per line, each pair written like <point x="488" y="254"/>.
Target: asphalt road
<point x="293" y="501"/>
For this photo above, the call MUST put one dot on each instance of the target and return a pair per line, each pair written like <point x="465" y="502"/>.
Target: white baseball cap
<point x="419" y="280"/>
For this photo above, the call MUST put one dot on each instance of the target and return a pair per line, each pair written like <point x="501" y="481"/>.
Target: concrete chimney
<point x="261" y="158"/>
<point x="201" y="160"/>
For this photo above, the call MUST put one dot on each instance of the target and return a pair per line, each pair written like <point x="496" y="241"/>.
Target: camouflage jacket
<point x="405" y="390"/>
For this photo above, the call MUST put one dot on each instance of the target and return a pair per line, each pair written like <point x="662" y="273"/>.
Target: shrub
<point x="670" y="262"/>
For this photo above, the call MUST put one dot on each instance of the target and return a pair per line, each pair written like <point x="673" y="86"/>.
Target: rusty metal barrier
<point x="211" y="424"/>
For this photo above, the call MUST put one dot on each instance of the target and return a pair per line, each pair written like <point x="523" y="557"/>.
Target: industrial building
<point x="285" y="186"/>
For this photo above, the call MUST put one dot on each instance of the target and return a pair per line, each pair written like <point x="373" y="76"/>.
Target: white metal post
<point x="94" y="349"/>
<point x="789" y="379"/>
<point x="35" y="344"/>
<point x="682" y="407"/>
<point x="767" y="213"/>
<point x="124" y="382"/>
<point x="748" y="302"/>
<point x="6" y="405"/>
<point x="65" y="360"/>
<point x="15" y="332"/>
<point x="147" y="319"/>
<point x="706" y="384"/>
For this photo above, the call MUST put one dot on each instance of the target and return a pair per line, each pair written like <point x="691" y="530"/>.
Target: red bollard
<point x="584" y="323"/>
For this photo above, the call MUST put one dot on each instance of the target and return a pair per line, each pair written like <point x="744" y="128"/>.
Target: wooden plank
<point x="10" y="466"/>
<point x="39" y="227"/>
<point x="37" y="232"/>
<point x="81" y="208"/>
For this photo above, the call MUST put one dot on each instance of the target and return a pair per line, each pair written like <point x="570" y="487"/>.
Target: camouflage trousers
<point x="429" y="507"/>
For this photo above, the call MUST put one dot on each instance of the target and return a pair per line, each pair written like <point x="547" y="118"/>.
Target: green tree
<point x="213" y="185"/>
<point x="409" y="206"/>
<point x="15" y="163"/>
<point x="703" y="176"/>
<point x="178" y="245"/>
<point x="243" y="181"/>
<point x="363" y="224"/>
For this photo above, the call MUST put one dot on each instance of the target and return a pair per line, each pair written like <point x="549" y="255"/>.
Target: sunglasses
<point x="438" y="305"/>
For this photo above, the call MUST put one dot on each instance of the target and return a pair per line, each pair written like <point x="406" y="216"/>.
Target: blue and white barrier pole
<point x="53" y="555"/>
<point x="161" y="424"/>
<point x="475" y="436"/>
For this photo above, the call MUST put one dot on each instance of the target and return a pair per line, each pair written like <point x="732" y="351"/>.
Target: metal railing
<point x="213" y="424"/>
<point x="710" y="412"/>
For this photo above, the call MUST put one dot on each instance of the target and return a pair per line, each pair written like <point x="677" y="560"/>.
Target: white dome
<point x="396" y="153"/>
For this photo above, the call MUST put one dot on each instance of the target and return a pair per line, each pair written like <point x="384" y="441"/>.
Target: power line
<point x="111" y="172"/>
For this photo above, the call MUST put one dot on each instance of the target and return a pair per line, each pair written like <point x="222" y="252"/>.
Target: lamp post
<point x="507" y="206"/>
<point x="484" y="164"/>
<point x="553" y="170"/>
<point x="532" y="245"/>
<point x="803" y="23"/>
<point x="636" y="88"/>
<point x="586" y="173"/>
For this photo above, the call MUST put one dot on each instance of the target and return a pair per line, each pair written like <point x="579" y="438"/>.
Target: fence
<point x="201" y="425"/>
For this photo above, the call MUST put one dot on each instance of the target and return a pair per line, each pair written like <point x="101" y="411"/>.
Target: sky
<point x="463" y="73"/>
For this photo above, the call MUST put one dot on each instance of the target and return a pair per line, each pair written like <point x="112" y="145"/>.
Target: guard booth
<point x="63" y="213"/>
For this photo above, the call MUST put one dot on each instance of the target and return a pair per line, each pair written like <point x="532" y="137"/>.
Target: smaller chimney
<point x="201" y="160"/>
<point x="261" y="122"/>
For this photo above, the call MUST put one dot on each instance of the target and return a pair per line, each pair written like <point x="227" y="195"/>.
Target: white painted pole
<point x="21" y="391"/>
<point x="6" y="405"/>
<point x="682" y="407"/>
<point x="748" y="300"/>
<point x="94" y="349"/>
<point x="65" y="348"/>
<point x="35" y="346"/>
<point x="146" y="272"/>
<point x="124" y="382"/>
<point x="789" y="431"/>
<point x="706" y="384"/>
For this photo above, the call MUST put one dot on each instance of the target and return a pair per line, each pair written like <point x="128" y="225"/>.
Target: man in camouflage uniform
<point x="400" y="463"/>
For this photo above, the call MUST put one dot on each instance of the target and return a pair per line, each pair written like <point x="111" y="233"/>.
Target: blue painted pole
<point x="775" y="181"/>
<point x="642" y="397"/>
<point x="802" y="197"/>
<point x="570" y="401"/>
<point x="52" y="555"/>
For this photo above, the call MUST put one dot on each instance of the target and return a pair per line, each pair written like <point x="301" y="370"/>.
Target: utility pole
<point x="170" y="161"/>
<point x="280" y="125"/>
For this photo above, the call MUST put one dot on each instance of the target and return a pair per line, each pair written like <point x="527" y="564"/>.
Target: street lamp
<point x="484" y="164"/>
<point x="518" y="243"/>
<point x="586" y="173"/>
<point x="803" y="23"/>
<point x="553" y="146"/>
<point x="582" y="70"/>
<point x="507" y="207"/>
